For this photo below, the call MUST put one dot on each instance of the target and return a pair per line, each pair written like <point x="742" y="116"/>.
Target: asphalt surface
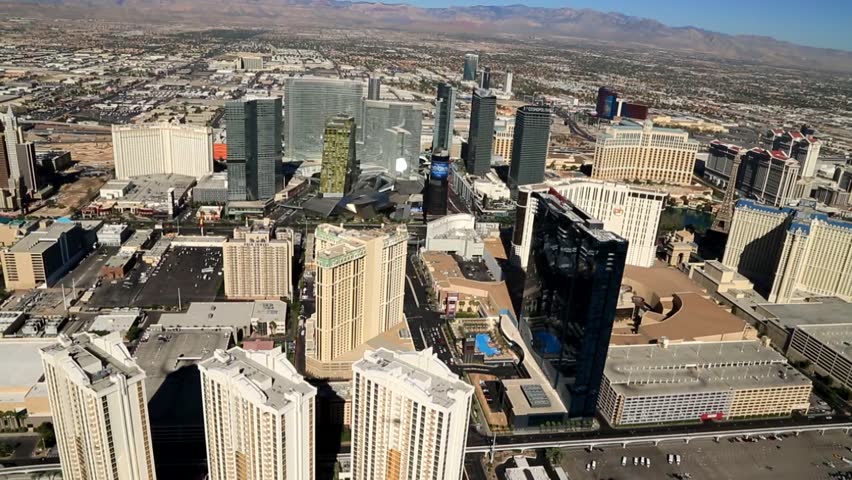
<point x="423" y="322"/>
<point x="808" y="456"/>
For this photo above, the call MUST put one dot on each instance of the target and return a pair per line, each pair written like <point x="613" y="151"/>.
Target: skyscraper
<point x="572" y="287"/>
<point x="471" y="65"/>
<point x="445" y="104"/>
<point x="311" y="102"/>
<point x="379" y="117"/>
<point x="258" y="417"/>
<point x="630" y="211"/>
<point x="630" y="152"/>
<point x="21" y="157"/>
<point x="258" y="263"/>
<point x="12" y="138"/>
<point x="481" y="133"/>
<point x="339" y="171"/>
<point x="255" y="171"/>
<point x="485" y="81"/>
<point x="409" y="417"/>
<point x="100" y="411"/>
<point x="360" y="284"/>
<point x="507" y="87"/>
<point x="374" y="89"/>
<point x="529" y="145"/>
<point x="606" y="106"/>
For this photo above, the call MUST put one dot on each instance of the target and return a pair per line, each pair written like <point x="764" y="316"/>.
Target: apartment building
<point x="642" y="152"/>
<point x="258" y="417"/>
<point x="258" y="263"/>
<point x="409" y="417"/>
<point x="100" y="410"/>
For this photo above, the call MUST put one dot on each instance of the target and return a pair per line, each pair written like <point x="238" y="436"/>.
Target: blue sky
<point x="820" y="23"/>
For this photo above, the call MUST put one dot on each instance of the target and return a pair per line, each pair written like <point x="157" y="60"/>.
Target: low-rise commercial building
<point x="19" y="385"/>
<point x="663" y="383"/>
<point x="455" y="233"/>
<point x="45" y="255"/>
<point x="237" y="317"/>
<point x="664" y="304"/>
<point x="113" y="235"/>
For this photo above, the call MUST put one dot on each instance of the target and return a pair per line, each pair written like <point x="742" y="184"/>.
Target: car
<point x="670" y="458"/>
<point x="677" y="459"/>
<point x="623" y="461"/>
<point x="648" y="462"/>
<point x="635" y="461"/>
<point x="594" y="464"/>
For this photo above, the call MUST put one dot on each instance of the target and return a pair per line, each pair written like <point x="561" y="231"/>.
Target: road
<point x="650" y="436"/>
<point x="425" y="324"/>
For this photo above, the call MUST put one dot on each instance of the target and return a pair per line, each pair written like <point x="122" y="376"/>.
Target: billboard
<point x="440" y="169"/>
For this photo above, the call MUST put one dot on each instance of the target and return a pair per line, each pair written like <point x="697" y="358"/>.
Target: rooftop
<point x="838" y="337"/>
<point x="40" y="240"/>
<point x="824" y="312"/>
<point x="264" y="377"/>
<point x="700" y="366"/>
<point x="224" y="314"/>
<point x="422" y="371"/>
<point x="21" y="362"/>
<point x="92" y="360"/>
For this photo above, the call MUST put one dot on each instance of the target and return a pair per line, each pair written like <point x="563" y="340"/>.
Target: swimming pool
<point x="482" y="344"/>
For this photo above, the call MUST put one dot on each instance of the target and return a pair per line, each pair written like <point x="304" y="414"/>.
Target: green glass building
<point x="339" y="170"/>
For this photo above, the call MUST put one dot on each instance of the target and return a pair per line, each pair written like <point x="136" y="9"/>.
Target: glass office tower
<point x="311" y="102"/>
<point x="481" y="134"/>
<point x="255" y="171"/>
<point x="471" y="65"/>
<point x="571" y="290"/>
<point x="529" y="145"/>
<point x="445" y="104"/>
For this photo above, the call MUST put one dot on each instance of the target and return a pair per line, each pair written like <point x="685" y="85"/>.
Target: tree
<point x="48" y="437"/>
<point x="553" y="455"/>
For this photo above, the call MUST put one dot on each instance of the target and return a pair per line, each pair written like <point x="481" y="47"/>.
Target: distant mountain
<point x="577" y="25"/>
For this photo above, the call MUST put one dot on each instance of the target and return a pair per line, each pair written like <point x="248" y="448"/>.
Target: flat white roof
<point x="21" y="362"/>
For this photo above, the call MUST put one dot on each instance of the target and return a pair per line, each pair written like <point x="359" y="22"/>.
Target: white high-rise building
<point x="152" y="148"/>
<point x="643" y="152"/>
<point x="628" y="211"/>
<point x="258" y="417"/>
<point x="409" y="417"/>
<point x="507" y="87"/>
<point x="100" y="412"/>
<point x="791" y="253"/>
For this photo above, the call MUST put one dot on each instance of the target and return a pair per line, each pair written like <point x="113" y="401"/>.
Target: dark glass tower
<point x="485" y="81"/>
<point x="571" y="291"/>
<point x="374" y="89"/>
<point x="255" y="171"/>
<point x="529" y="145"/>
<point x="445" y="101"/>
<point x="471" y="65"/>
<point x="481" y="133"/>
<point x="437" y="186"/>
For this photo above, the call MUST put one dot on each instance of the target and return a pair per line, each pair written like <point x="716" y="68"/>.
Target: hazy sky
<point x="820" y="23"/>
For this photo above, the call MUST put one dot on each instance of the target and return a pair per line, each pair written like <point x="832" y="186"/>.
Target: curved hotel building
<point x="147" y="149"/>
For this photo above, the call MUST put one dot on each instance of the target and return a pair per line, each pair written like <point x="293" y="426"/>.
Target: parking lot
<point x="808" y="456"/>
<point x="197" y="272"/>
